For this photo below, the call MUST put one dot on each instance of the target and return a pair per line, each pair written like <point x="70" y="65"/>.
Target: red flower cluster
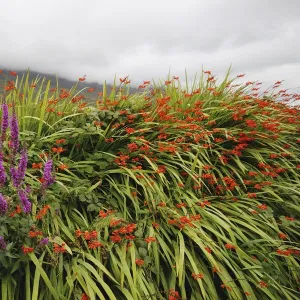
<point x="91" y="237"/>
<point x="124" y="231"/>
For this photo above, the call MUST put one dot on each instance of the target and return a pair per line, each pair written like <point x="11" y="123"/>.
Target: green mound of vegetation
<point x="170" y="193"/>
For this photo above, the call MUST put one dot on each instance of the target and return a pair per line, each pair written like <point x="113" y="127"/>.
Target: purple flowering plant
<point x="18" y="195"/>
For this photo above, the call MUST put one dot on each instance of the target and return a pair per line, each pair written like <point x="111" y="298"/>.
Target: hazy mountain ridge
<point x="63" y="82"/>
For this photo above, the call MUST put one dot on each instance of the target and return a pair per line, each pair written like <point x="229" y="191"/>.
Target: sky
<point x="150" y="39"/>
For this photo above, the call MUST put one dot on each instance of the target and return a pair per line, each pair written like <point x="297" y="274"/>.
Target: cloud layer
<point x="147" y="39"/>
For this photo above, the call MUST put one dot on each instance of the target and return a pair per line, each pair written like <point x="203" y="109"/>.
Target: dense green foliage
<point x="169" y="194"/>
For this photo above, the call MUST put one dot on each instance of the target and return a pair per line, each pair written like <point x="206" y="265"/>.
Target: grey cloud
<point x="145" y="40"/>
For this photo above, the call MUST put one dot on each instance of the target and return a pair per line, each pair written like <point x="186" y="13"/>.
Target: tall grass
<point x="193" y="194"/>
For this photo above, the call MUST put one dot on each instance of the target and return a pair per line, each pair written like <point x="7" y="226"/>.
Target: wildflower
<point x="14" y="132"/>
<point x="223" y="286"/>
<point x="247" y="294"/>
<point x="114" y="222"/>
<point x="57" y="150"/>
<point x="139" y="262"/>
<point x="263" y="284"/>
<point x="173" y="295"/>
<point x="230" y="246"/>
<point x="2" y="173"/>
<point x="34" y="234"/>
<point x="42" y="212"/>
<point x="251" y="123"/>
<point x="150" y="239"/>
<point x="197" y="276"/>
<point x="2" y="243"/>
<point x="85" y="297"/>
<point x="26" y="204"/>
<point x="12" y="73"/>
<point x="37" y="165"/>
<point x="252" y="174"/>
<point x="208" y="249"/>
<point x="27" y="250"/>
<point x="61" y="141"/>
<point x="104" y="214"/>
<point x="286" y="252"/>
<point x="289" y="218"/>
<point x="10" y="86"/>
<point x="155" y="225"/>
<point x="130" y="130"/>
<point x="132" y="147"/>
<point x="59" y="249"/>
<point x="63" y="167"/>
<point x="179" y="205"/>
<point x="86" y="235"/>
<point x="262" y="206"/>
<point x="44" y="241"/>
<point x="4" y="122"/>
<point x="116" y="238"/>
<point x="48" y="179"/>
<point x="22" y="165"/>
<point x="252" y="195"/>
<point x="94" y="244"/>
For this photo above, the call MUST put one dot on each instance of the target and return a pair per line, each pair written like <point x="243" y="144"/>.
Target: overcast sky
<point x="146" y="39"/>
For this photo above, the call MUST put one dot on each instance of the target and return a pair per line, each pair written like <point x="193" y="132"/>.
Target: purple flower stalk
<point x="4" y="122"/>
<point x="48" y="178"/>
<point x="14" y="132"/>
<point x="44" y="241"/>
<point x="2" y="243"/>
<point x="3" y="205"/>
<point x="26" y="204"/>
<point x="2" y="173"/>
<point x="19" y="174"/>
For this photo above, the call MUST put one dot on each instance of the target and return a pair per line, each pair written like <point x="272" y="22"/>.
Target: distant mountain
<point x="63" y="83"/>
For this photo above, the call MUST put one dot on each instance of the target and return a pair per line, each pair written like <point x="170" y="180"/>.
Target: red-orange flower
<point x="12" y="73"/>
<point x="27" y="250"/>
<point x="263" y="284"/>
<point x="262" y="206"/>
<point x="139" y="262"/>
<point x="85" y="297"/>
<point x="57" y="150"/>
<point x="150" y="239"/>
<point x="94" y="244"/>
<point x="42" y="212"/>
<point x="230" y="246"/>
<point x="197" y="276"/>
<point x="59" y="249"/>
<point x="116" y="238"/>
<point x="37" y="165"/>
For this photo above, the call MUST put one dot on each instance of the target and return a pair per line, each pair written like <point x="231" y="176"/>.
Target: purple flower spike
<point x="48" y="178"/>
<point x="4" y="123"/>
<point x="44" y="241"/>
<point x="26" y="204"/>
<point x="14" y="131"/>
<point x="3" y="205"/>
<point x="19" y="174"/>
<point x="2" y="243"/>
<point x="2" y="173"/>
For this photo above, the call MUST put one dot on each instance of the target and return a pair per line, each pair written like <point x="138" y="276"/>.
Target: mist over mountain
<point x="62" y="82"/>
